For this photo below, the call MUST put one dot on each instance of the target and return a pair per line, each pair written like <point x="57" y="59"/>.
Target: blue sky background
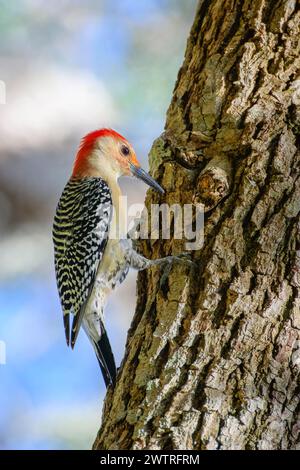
<point x="69" y="67"/>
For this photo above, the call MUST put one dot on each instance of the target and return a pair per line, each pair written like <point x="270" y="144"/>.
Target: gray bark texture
<point x="213" y="353"/>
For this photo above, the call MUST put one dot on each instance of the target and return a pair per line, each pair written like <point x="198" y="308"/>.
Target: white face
<point x="113" y="156"/>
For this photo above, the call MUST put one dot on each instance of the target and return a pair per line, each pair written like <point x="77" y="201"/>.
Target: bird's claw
<point x="181" y="258"/>
<point x="184" y="258"/>
<point x="169" y="260"/>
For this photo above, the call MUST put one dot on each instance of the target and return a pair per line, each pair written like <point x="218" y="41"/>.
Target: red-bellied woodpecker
<point x="89" y="262"/>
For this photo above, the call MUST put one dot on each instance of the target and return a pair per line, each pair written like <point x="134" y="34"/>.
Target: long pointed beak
<point x="144" y="176"/>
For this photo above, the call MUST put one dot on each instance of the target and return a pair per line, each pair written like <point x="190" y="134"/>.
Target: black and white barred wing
<point x="80" y="233"/>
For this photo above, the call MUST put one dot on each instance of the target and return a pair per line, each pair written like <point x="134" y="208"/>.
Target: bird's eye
<point x="125" y="150"/>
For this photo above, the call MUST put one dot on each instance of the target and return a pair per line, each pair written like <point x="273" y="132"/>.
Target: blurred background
<point x="69" y="67"/>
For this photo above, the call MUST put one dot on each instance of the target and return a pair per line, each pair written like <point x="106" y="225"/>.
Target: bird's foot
<point x="183" y="258"/>
<point x="169" y="260"/>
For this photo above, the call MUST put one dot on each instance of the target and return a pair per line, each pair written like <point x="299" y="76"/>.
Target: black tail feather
<point x="106" y="359"/>
<point x="67" y="327"/>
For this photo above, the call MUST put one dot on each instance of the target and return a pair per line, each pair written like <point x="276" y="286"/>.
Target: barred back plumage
<point x="80" y="232"/>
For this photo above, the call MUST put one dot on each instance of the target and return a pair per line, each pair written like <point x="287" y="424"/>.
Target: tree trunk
<point x="213" y="353"/>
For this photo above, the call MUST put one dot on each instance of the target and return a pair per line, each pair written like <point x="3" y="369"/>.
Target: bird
<point x="90" y="261"/>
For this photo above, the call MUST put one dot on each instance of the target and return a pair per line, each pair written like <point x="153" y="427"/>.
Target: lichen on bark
<point x="213" y="353"/>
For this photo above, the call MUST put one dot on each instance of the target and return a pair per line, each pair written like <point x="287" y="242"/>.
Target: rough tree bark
<point x="213" y="354"/>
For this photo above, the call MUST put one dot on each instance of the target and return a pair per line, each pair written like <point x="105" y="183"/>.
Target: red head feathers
<point x="87" y="144"/>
